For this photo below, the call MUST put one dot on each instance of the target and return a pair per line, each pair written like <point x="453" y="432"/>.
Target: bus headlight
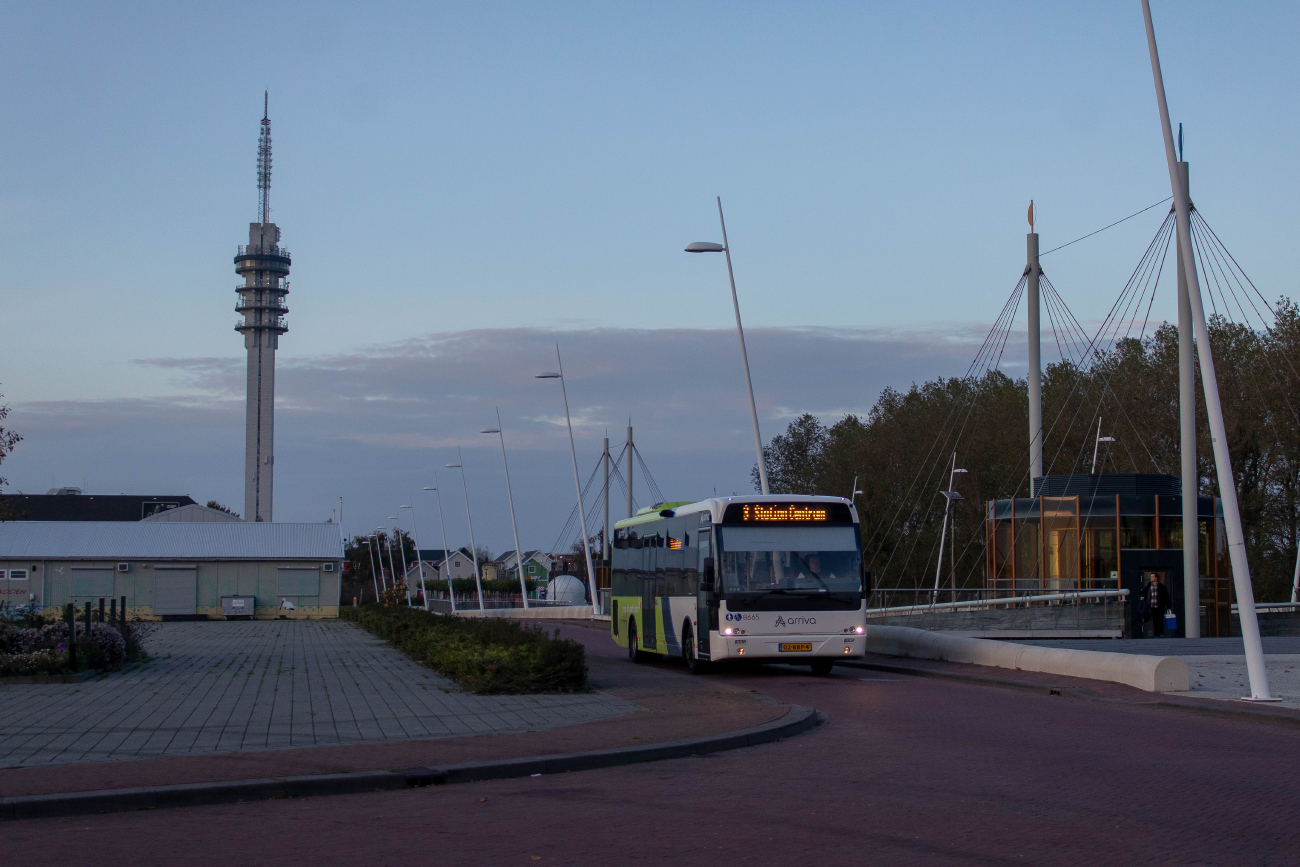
<point x="728" y="631"/>
<point x="860" y="630"/>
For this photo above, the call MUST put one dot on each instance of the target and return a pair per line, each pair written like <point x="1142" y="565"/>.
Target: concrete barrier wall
<point x="1150" y="673"/>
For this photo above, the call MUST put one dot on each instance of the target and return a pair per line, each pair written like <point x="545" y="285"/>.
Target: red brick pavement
<point x="909" y="770"/>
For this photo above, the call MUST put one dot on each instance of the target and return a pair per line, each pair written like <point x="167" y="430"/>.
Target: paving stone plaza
<point x="1217" y="666"/>
<point x="217" y="687"/>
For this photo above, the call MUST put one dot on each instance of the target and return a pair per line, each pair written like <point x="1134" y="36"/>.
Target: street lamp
<point x="510" y="499"/>
<point x="424" y="591"/>
<point x="370" y="549"/>
<point x="388" y="543"/>
<point x="724" y="247"/>
<point x="949" y="497"/>
<point x="577" y="485"/>
<point x="402" y="548"/>
<point x="379" y="555"/>
<point x="1097" y="445"/>
<point x="460" y="465"/>
<point x="451" y="592"/>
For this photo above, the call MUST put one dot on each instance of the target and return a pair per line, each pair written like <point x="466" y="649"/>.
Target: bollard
<point x="101" y="610"/>
<point x="71" y="617"/>
<point x="87" y="618"/>
<point x="112" y="611"/>
<point x="124" y="612"/>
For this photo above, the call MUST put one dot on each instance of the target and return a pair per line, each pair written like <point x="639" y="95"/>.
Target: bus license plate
<point x="796" y="648"/>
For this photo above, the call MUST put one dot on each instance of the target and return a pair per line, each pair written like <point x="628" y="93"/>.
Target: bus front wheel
<point x="690" y="654"/>
<point x="821" y="667"/>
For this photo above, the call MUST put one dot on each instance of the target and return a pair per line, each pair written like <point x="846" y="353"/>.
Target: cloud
<point x="374" y="425"/>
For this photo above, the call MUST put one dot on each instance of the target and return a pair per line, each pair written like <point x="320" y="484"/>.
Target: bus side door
<point x="706" y="612"/>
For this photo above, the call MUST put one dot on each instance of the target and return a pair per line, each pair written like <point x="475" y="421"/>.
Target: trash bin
<point x="238" y="606"/>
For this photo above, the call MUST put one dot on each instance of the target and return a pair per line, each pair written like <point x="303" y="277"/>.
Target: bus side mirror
<point x="706" y="575"/>
<point x="866" y="582"/>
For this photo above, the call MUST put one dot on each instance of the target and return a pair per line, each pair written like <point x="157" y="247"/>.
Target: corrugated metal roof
<point x="150" y="540"/>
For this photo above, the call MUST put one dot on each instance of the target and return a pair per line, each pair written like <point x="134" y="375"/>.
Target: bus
<point x="756" y="578"/>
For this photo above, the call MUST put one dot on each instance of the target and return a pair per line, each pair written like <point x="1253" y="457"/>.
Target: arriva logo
<point x="795" y="621"/>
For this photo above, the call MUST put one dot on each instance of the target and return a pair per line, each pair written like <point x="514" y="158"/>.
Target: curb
<point x="795" y="721"/>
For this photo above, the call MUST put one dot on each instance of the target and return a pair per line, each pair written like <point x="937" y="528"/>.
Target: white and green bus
<point x="767" y="578"/>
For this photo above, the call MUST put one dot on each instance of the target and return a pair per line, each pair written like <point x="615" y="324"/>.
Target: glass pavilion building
<point x="1107" y="532"/>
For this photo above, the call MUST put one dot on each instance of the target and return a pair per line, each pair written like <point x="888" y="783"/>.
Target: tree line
<point x="900" y="452"/>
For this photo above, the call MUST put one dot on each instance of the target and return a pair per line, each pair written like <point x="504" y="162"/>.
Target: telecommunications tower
<point x="264" y="265"/>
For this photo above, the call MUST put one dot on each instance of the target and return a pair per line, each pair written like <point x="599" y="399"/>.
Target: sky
<point x="462" y="186"/>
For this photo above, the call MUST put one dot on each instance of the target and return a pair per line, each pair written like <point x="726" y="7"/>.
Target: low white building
<point x="167" y="568"/>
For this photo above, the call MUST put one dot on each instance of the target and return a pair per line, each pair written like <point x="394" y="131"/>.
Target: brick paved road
<point x="909" y="771"/>
<point x="239" y="686"/>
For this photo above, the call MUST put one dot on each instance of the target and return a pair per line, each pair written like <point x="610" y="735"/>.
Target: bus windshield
<point x="790" y="560"/>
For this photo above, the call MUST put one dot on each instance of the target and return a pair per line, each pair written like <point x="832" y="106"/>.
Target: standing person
<point x="1155" y="602"/>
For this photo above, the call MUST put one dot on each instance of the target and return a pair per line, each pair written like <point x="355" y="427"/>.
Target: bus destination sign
<point x="787" y="513"/>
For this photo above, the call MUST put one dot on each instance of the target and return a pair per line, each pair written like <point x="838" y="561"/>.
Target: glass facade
<point x="1078" y="542"/>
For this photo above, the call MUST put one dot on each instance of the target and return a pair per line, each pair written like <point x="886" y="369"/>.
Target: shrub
<point x="102" y="649"/>
<point x="135" y="633"/>
<point x="394" y="596"/>
<point x="486" y="657"/>
<point x="38" y="662"/>
<point x="18" y="639"/>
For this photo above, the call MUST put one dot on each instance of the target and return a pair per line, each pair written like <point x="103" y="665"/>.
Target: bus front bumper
<point x="790" y="647"/>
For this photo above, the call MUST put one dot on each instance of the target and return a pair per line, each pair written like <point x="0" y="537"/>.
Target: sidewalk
<point x="1217" y="666"/>
<point x="648" y="706"/>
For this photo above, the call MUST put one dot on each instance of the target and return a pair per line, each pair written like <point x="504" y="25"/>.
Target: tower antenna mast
<point x="264" y="162"/>
<point x="264" y="265"/>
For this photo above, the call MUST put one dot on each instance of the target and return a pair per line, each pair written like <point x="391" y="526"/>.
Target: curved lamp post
<point x="388" y="544"/>
<point x="460" y="465"/>
<point x="710" y="247"/>
<point x="950" y="496"/>
<point x="424" y="591"/>
<point x="577" y="485"/>
<point x="374" y="576"/>
<point x="451" y="593"/>
<point x="402" y="548"/>
<point x="1097" y="445"/>
<point x="379" y="555"/>
<point x="510" y="499"/>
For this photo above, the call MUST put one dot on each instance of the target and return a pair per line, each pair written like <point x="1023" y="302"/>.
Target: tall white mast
<point x="1035" y="374"/>
<point x="1187" y="440"/>
<point x="1218" y="433"/>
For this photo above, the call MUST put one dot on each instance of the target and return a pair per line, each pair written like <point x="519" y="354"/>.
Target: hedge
<point x="486" y="657"/>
